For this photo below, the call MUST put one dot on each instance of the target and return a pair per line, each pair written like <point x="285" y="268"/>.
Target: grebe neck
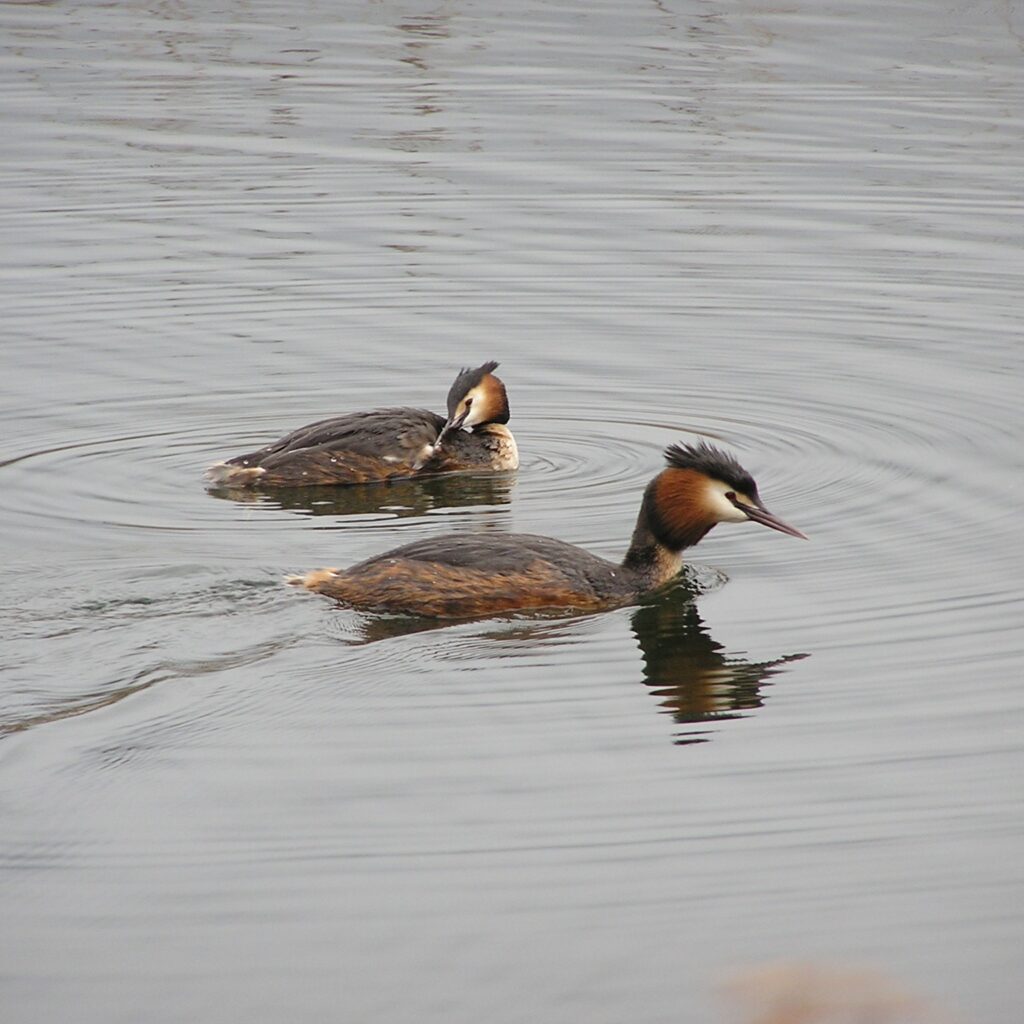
<point x="661" y="535"/>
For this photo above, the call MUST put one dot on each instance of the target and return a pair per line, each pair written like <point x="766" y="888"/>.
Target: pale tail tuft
<point x="233" y="476"/>
<point x="312" y="580"/>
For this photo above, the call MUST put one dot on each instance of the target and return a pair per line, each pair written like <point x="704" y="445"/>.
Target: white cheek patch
<point x="720" y="506"/>
<point x="476" y="414"/>
<point x="488" y="402"/>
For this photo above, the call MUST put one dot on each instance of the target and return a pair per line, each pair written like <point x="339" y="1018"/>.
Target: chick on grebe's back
<point x="365" y="447"/>
<point x="469" y="575"/>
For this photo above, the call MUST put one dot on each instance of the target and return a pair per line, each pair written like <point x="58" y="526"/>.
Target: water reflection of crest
<point x="693" y="676"/>
<point x="399" y="498"/>
<point x="695" y="679"/>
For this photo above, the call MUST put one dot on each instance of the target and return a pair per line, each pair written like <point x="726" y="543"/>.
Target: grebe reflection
<point x="693" y="677"/>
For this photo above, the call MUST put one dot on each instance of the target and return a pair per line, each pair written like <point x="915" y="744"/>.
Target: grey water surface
<point x="793" y="229"/>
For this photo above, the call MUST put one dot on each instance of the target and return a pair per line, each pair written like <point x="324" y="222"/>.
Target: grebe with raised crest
<point x="471" y="575"/>
<point x="385" y="444"/>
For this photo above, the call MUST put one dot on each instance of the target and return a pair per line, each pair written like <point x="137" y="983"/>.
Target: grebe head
<point x="701" y="487"/>
<point x="476" y="397"/>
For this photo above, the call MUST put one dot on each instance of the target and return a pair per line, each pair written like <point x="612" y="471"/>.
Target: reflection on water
<point x="399" y="498"/>
<point x="693" y="676"/>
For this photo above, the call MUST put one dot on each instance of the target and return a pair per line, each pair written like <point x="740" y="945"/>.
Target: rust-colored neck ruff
<point x="673" y="516"/>
<point x="494" y="399"/>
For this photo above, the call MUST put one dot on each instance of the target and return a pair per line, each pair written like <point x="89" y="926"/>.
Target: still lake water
<point x="795" y="229"/>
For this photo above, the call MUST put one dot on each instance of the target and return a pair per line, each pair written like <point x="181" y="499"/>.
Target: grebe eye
<point x="469" y="402"/>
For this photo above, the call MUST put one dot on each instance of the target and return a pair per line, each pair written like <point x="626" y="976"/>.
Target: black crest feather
<point x="466" y="381"/>
<point x="713" y="462"/>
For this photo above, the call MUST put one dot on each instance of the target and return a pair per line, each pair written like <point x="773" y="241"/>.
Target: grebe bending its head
<point x="460" y="575"/>
<point x="385" y="444"/>
<point x="476" y="398"/>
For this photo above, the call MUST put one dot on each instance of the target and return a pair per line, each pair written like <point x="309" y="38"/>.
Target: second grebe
<point x="460" y="575"/>
<point x="385" y="444"/>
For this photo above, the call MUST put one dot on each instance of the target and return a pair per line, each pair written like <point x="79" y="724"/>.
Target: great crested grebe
<point x="364" y="447"/>
<point x="469" y="575"/>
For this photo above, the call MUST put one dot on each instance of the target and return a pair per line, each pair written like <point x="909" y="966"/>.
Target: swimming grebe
<point x="460" y="575"/>
<point x="385" y="444"/>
